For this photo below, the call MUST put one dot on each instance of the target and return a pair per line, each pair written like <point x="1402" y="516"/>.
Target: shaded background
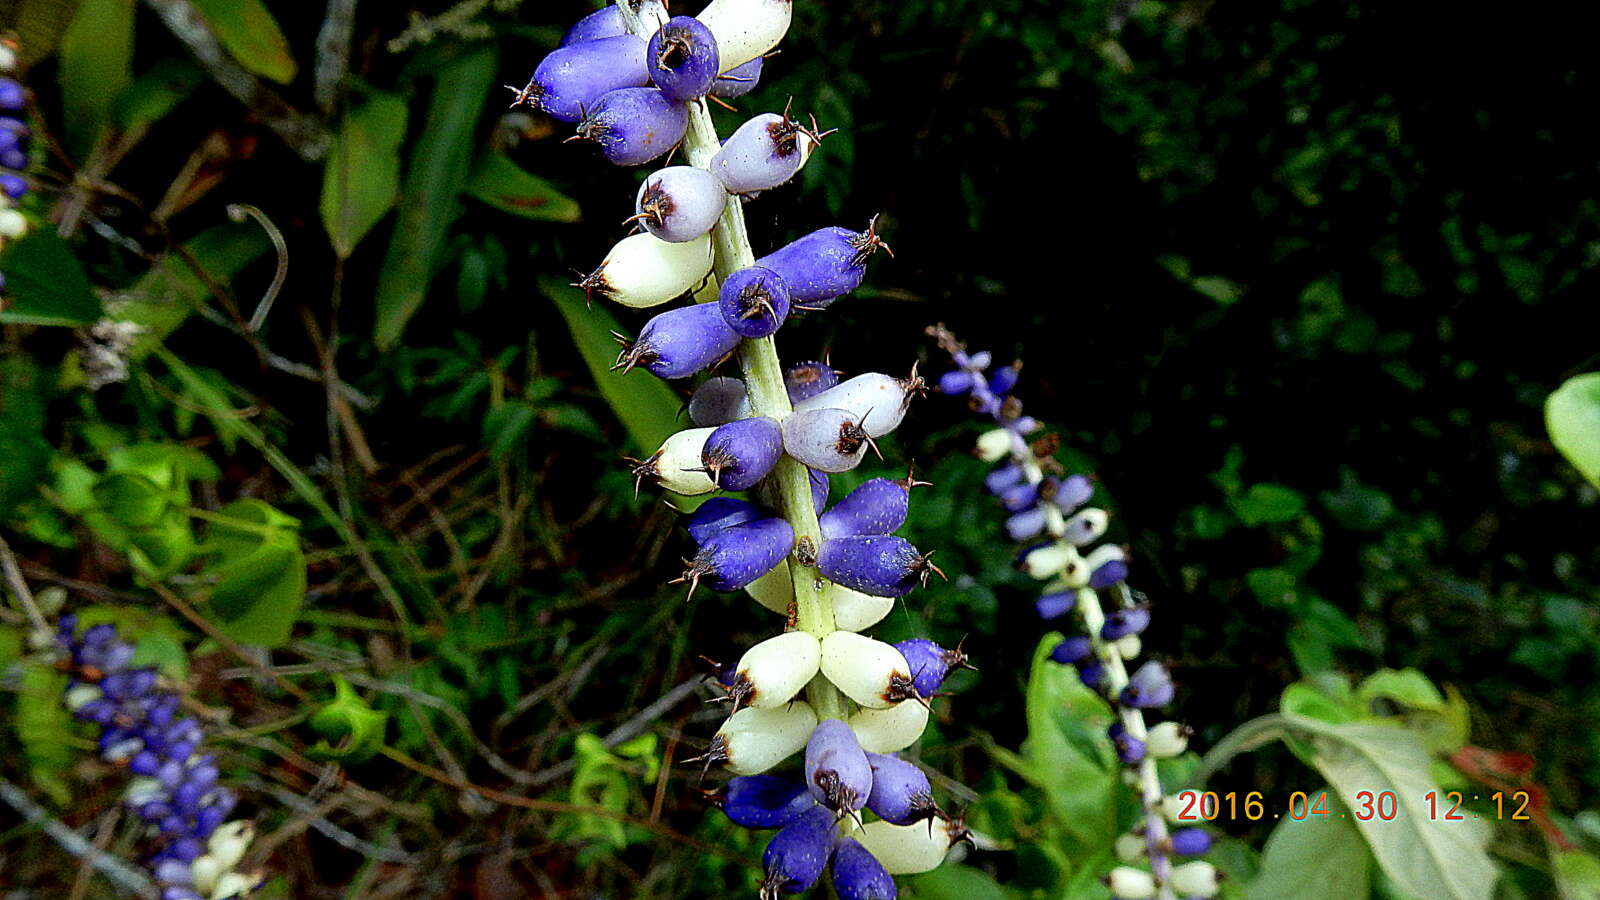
<point x="1293" y="278"/>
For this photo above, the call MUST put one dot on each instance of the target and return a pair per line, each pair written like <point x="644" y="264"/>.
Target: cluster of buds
<point x="175" y="789"/>
<point x="14" y="139"/>
<point x="1064" y="548"/>
<point x="637" y="83"/>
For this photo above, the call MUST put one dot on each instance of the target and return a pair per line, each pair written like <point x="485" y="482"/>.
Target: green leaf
<point x="262" y="571"/>
<point x="133" y="500"/>
<point x="44" y="727"/>
<point x="1265" y="503"/>
<point x="1405" y="686"/>
<point x="1577" y="875"/>
<point x="1357" y="506"/>
<point x="510" y="188"/>
<point x="1315" y="858"/>
<point x="96" y="65"/>
<point x="647" y="407"/>
<point x="362" y="176"/>
<point x="508" y="425"/>
<point x="1223" y="291"/>
<point x="441" y="157"/>
<point x="1572" y="416"/>
<point x="45" y="283"/>
<point x="250" y="34"/>
<point x="153" y="96"/>
<point x="24" y="453"/>
<point x="1424" y="857"/>
<point x="957" y="883"/>
<point x="355" y="729"/>
<point x="1273" y="586"/>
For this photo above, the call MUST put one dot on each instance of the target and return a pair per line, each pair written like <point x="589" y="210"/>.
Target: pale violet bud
<point x="889" y="730"/>
<point x="1086" y="526"/>
<point x="754" y="740"/>
<point x="870" y="672"/>
<point x="855" y="611"/>
<point x="995" y="445"/>
<point x="773" y="671"/>
<point x="1168" y="739"/>
<point x="1131" y="848"/>
<point x="774" y="590"/>
<point x="642" y="270"/>
<point x="677" y="465"/>
<point x="746" y="29"/>
<point x="79" y="694"/>
<point x="910" y="849"/>
<point x="1129" y="646"/>
<point x="881" y="400"/>
<point x="1128" y="883"/>
<point x="1196" y="879"/>
<point x="143" y="790"/>
<point x="1050" y="560"/>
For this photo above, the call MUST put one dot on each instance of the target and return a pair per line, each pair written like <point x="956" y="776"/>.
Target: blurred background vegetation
<point x="1293" y="278"/>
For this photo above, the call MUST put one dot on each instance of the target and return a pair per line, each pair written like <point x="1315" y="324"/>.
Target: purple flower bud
<point x="683" y="59"/>
<point x="739" y="454"/>
<point x="718" y="401"/>
<point x="1075" y="491"/>
<point x="797" y="854"/>
<point x="721" y="512"/>
<point x="13" y="158"/>
<point x="1072" y="650"/>
<point x="1004" y="379"/>
<point x="761" y="154"/>
<point x="820" y="486"/>
<point x="900" y="791"/>
<point x="808" y="379"/>
<point x="573" y="78"/>
<point x="754" y="301"/>
<point x="824" y="264"/>
<point x="1129" y="748"/>
<point x="829" y="440"/>
<point x="680" y="342"/>
<point x="1190" y="841"/>
<point x="739" y="80"/>
<point x="837" y="771"/>
<point x="879" y="565"/>
<point x="13" y="185"/>
<point x="12" y="94"/>
<point x="1003" y="477"/>
<point x="1149" y="687"/>
<point x="1019" y="497"/>
<point x="602" y="23"/>
<point x="1124" y="622"/>
<point x="1057" y="604"/>
<point x="956" y="381"/>
<point x="1109" y="573"/>
<point x="1026" y="524"/>
<point x="180" y="892"/>
<point x="930" y="664"/>
<point x="1091" y="675"/>
<point x="877" y="506"/>
<point x="736" y="556"/>
<point x="857" y="874"/>
<point x="634" y="125"/>
<point x="765" y="801"/>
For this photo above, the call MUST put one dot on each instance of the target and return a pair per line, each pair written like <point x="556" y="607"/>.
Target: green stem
<point x="763" y="376"/>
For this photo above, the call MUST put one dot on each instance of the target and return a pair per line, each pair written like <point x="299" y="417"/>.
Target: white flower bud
<point x="881" y="401"/>
<point x="1196" y="879"/>
<point x="229" y="842"/>
<point x="773" y="671"/>
<point x="755" y="740"/>
<point x="1131" y="848"/>
<point x="204" y="872"/>
<point x="12" y="224"/>
<point x="855" y="611"/>
<point x="1131" y="884"/>
<point x="907" y="849"/>
<point x="677" y="465"/>
<point x="1101" y="555"/>
<point x="995" y="445"/>
<point x="1051" y="560"/>
<point x="642" y="270"/>
<point x="1129" y="646"/>
<point x="889" y="730"/>
<point x="1086" y="526"/>
<point x="870" y="672"/>
<point x="235" y="884"/>
<point x="746" y="29"/>
<point x="1168" y="739"/>
<point x="8" y="58"/>
<point x="80" y="694"/>
<point x="774" y="590"/>
<point x="1173" y="806"/>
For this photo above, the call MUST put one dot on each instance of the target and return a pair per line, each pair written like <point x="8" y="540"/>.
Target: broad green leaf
<point x="164" y="547"/>
<point x="96" y="65"/>
<point x="1405" y="686"/>
<point x="1577" y="875"/>
<point x="1064" y="753"/>
<point x="362" y="176"/>
<point x="133" y="500"/>
<point x="510" y="188"/>
<point x="45" y="283"/>
<point x="1273" y="586"/>
<point x="172" y="289"/>
<point x="44" y="728"/>
<point x="154" y="95"/>
<point x="441" y="158"/>
<point x="24" y="453"/>
<point x="38" y="26"/>
<point x="1424" y="857"/>
<point x="244" y="526"/>
<point x="250" y="34"/>
<point x="354" y="728"/>
<point x="1572" y="416"/>
<point x="957" y="883"/>
<point x="1315" y="858"/>
<point x="647" y="407"/>
<point x="1265" y="503"/>
<point x="258" y="599"/>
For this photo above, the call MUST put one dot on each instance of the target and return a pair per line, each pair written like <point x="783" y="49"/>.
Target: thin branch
<point x="333" y="53"/>
<point x="19" y="587"/>
<point x="116" y="871"/>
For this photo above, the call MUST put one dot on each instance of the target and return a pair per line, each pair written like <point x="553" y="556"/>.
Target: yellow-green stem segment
<point x="763" y="376"/>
